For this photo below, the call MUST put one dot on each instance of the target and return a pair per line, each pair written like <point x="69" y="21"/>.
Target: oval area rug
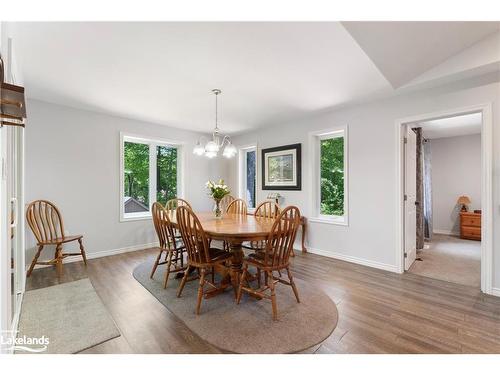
<point x="248" y="327"/>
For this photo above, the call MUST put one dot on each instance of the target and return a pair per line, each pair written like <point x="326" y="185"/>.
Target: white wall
<point x="456" y="171"/>
<point x="370" y="237"/>
<point x="73" y="159"/>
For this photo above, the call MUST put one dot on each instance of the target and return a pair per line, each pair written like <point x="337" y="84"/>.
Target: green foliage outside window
<point x="332" y="176"/>
<point x="136" y="162"/>
<point x="166" y="173"/>
<point x="136" y="179"/>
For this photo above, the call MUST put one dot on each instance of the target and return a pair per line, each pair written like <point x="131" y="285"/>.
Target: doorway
<point x="445" y="221"/>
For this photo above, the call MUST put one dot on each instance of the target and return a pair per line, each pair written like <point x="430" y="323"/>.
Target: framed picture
<point x="281" y="168"/>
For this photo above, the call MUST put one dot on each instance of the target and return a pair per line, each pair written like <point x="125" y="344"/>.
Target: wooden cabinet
<point x="470" y="226"/>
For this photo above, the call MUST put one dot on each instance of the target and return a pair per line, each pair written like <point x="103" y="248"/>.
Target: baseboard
<point x="447" y="232"/>
<point x="352" y="259"/>
<point x="105" y="253"/>
<point x="495" y="292"/>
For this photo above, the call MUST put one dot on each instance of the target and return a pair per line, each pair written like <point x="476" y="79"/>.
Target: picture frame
<point x="282" y="167"/>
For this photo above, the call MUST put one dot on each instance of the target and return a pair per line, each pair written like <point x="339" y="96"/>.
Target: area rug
<point x="70" y="315"/>
<point x="248" y="327"/>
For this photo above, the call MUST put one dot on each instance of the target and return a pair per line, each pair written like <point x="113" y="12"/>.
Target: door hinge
<point x="406" y="255"/>
<point x="406" y="197"/>
<point x="405" y="140"/>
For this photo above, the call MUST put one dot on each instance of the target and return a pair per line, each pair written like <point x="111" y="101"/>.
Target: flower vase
<point x="217" y="210"/>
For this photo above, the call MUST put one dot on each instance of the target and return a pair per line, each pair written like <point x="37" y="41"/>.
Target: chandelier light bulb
<point x="211" y="147"/>
<point x="210" y="154"/>
<point x="229" y="151"/>
<point x="198" y="149"/>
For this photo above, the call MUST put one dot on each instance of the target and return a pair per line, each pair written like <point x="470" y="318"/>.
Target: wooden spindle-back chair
<point x="269" y="210"/>
<point x="47" y="226"/>
<point x="225" y="202"/>
<point x="200" y="255"/>
<point x="174" y="203"/>
<point x="275" y="257"/>
<point x="174" y="250"/>
<point x="238" y="206"/>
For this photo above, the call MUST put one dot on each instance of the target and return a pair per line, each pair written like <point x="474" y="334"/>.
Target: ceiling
<point x="268" y="72"/>
<point x="452" y="126"/>
<point x="403" y="51"/>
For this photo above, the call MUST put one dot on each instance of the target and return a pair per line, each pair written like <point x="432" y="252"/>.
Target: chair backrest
<point x="238" y="206"/>
<point x="268" y="209"/>
<point x="225" y="202"/>
<point x="281" y="238"/>
<point x="163" y="226"/>
<point x="45" y="221"/>
<point x="193" y="236"/>
<point x="174" y="203"/>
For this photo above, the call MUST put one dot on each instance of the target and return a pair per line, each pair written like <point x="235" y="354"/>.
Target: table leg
<point x="304" y="229"/>
<point x="236" y="265"/>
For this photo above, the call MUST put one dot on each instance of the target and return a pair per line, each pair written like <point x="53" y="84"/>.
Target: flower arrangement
<point x="217" y="191"/>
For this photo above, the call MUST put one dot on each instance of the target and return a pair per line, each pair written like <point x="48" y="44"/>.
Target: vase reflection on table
<point x="217" y="191"/>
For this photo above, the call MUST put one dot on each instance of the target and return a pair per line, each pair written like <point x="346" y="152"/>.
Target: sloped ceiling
<point x="403" y="51"/>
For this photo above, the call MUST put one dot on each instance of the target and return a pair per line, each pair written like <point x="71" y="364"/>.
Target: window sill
<point x="330" y="221"/>
<point x="135" y="217"/>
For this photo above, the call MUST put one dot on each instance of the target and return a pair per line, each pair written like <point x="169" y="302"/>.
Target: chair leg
<point x="272" y="286"/>
<point x="82" y="250"/>
<point x="200" y="291"/>
<point x="242" y="280"/>
<point x="59" y="260"/>
<point x="167" y="271"/>
<point x="290" y="277"/>
<point x="183" y="282"/>
<point x="155" y="266"/>
<point x="35" y="259"/>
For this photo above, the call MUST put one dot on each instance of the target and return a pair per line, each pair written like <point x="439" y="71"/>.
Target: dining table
<point x="234" y="229"/>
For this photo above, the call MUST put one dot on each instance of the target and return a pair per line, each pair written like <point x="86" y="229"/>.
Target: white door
<point x="410" y="217"/>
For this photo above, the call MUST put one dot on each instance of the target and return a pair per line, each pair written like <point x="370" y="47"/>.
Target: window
<point x="330" y="179"/>
<point x="248" y="175"/>
<point x="150" y="173"/>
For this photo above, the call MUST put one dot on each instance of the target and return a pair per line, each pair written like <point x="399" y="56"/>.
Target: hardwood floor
<point x="379" y="311"/>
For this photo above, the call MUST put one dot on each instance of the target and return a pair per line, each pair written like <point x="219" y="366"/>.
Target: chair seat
<point x="60" y="240"/>
<point x="257" y="260"/>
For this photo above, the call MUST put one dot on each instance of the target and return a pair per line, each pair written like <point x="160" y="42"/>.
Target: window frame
<point x="315" y="139"/>
<point x="152" y="142"/>
<point x="242" y="167"/>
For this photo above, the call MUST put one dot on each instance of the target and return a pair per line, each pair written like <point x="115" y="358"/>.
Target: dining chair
<point x="201" y="256"/>
<point x="268" y="210"/>
<point x="224" y="203"/>
<point x="46" y="223"/>
<point x="275" y="257"/>
<point x="172" y="247"/>
<point x="174" y="203"/>
<point x="238" y="206"/>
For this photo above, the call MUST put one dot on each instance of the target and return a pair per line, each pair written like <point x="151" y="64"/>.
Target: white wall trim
<point x="104" y="253"/>
<point x="352" y="259"/>
<point x="495" y="292"/>
<point x="486" y="186"/>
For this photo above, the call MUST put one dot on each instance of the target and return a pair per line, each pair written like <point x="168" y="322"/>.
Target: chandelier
<point x="212" y="147"/>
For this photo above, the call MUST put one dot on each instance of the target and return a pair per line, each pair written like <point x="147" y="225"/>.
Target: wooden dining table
<point x="234" y="229"/>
